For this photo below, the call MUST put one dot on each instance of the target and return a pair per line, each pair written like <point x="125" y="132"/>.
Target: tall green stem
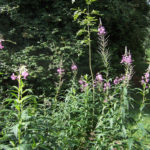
<point x="90" y="56"/>
<point x="58" y="88"/>
<point x="20" y="109"/>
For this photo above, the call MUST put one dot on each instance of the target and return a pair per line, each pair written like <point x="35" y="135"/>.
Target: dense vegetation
<point x="48" y="46"/>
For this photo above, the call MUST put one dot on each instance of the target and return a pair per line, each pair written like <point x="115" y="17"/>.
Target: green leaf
<point x="130" y="143"/>
<point x="124" y="131"/>
<point x="141" y="127"/>
<point x="4" y="147"/>
<point x="125" y="91"/>
<point x="80" y="32"/>
<point x="24" y="147"/>
<point x="95" y="12"/>
<point x="15" y="130"/>
<point x="25" y="115"/>
<point x="27" y="90"/>
<point x="26" y="98"/>
<point x="77" y="14"/>
<point x="111" y="122"/>
<point x="94" y="30"/>
<point x="9" y="100"/>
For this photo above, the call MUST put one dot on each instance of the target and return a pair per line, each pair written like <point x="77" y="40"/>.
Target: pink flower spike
<point x="25" y="74"/>
<point x="99" y="77"/>
<point x="74" y="67"/>
<point x="116" y="81"/>
<point x="60" y="71"/>
<point x="85" y="85"/>
<point x="1" y="46"/>
<point x="142" y="82"/>
<point x="126" y="59"/>
<point x="13" y="77"/>
<point x="81" y="82"/>
<point x="106" y="86"/>
<point x="101" y="31"/>
<point x="147" y="75"/>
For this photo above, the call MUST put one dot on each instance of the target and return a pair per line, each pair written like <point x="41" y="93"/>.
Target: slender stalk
<point x="57" y="91"/>
<point x="143" y="101"/>
<point x="90" y="57"/>
<point x="20" y="109"/>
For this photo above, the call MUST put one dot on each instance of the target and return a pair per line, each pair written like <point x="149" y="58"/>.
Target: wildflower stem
<point x="58" y="88"/>
<point x="143" y="101"/>
<point x="20" y="108"/>
<point x="90" y="63"/>
<point x="90" y="56"/>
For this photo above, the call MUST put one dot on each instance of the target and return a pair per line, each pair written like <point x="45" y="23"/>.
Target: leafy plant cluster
<point x="90" y="112"/>
<point x="77" y="122"/>
<point x="40" y="33"/>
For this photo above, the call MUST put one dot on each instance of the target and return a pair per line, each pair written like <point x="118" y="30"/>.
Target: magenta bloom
<point x="145" y="79"/>
<point x="60" y="71"/>
<point x="99" y="77"/>
<point x="101" y="31"/>
<point x="74" y="67"/>
<point x="105" y="101"/>
<point x="147" y="75"/>
<point x="126" y="59"/>
<point x="25" y="74"/>
<point x="1" y="46"/>
<point x="143" y="82"/>
<point x="85" y="85"/>
<point x="13" y="77"/>
<point x="106" y="86"/>
<point x="116" y="81"/>
<point x="81" y="82"/>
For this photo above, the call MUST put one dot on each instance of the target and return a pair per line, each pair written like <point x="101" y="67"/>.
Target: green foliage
<point x="64" y="115"/>
<point x="45" y="32"/>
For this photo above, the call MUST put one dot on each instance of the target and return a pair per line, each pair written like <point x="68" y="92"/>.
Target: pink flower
<point x="25" y="74"/>
<point x="60" y="71"/>
<point x="74" y="67"/>
<point x="81" y="82"/>
<point x="99" y="77"/>
<point x="147" y="75"/>
<point x="116" y="81"/>
<point x="106" y="86"/>
<point x="105" y="101"/>
<point x="101" y="31"/>
<point x="13" y="77"/>
<point x="126" y="59"/>
<point x="85" y="85"/>
<point x="142" y="82"/>
<point x="145" y="79"/>
<point x="1" y="46"/>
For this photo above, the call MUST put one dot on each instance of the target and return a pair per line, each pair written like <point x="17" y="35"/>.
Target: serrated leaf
<point x="26" y="98"/>
<point x="80" y="32"/>
<point x="130" y="143"/>
<point x="95" y="12"/>
<point x="25" y="115"/>
<point x="24" y="147"/>
<point x="77" y="14"/>
<point x="111" y="122"/>
<point x="15" y="130"/>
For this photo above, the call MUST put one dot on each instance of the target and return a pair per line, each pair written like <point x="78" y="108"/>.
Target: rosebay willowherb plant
<point x="91" y="114"/>
<point x="144" y="91"/>
<point x="110" y="131"/>
<point x="17" y="121"/>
